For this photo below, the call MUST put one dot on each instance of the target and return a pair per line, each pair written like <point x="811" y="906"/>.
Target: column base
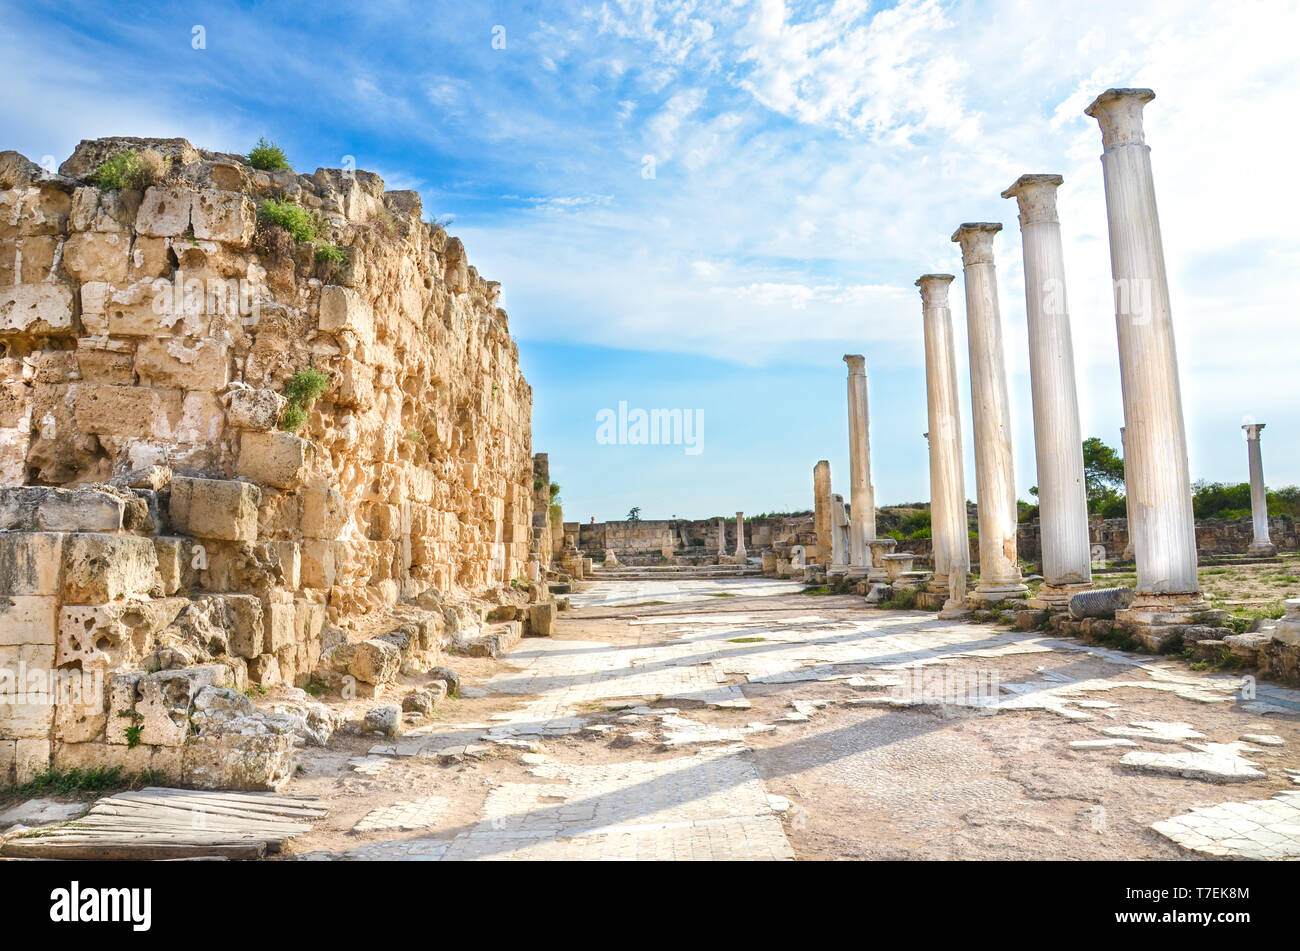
<point x="858" y="572"/>
<point x="1154" y="619"/>
<point x="1261" y="548"/>
<point x="1056" y="597"/>
<point x="954" y="610"/>
<point x="984" y="595"/>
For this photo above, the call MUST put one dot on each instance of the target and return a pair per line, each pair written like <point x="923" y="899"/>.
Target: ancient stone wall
<point x="148" y="339"/>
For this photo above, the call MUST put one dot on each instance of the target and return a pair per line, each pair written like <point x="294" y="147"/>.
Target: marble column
<point x="995" y="484"/>
<point x="722" y="538"/>
<point x="741" y="554"/>
<point x="1127" y="556"/>
<point x="1262" y="544"/>
<point x="862" y="497"/>
<point x="839" y="535"/>
<point x="950" y="537"/>
<point x="1163" y="528"/>
<point x="1058" y="441"/>
<point x="822" y="511"/>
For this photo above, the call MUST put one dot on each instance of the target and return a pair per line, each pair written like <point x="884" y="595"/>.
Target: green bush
<point x="267" y="157"/>
<point x="302" y="225"/>
<point x="131" y="169"/>
<point x="303" y="389"/>
<point x="332" y="260"/>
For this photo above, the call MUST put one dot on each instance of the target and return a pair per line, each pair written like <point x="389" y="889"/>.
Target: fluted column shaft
<point x="1261" y="544"/>
<point x="1058" y="442"/>
<point x="995" y="483"/>
<point x="822" y="510"/>
<point x="1163" y="528"/>
<point x="950" y="536"/>
<point x="740" y="536"/>
<point x="862" y="497"/>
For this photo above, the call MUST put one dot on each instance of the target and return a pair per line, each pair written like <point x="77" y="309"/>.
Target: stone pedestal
<point x="948" y="524"/>
<point x="1261" y="544"/>
<point x="995" y="484"/>
<point x="1062" y="494"/>
<point x="862" y="497"/>
<point x="1163" y="529"/>
<point x="822" y="524"/>
<point x="880" y="549"/>
<point x="611" y="560"/>
<point x="898" y="564"/>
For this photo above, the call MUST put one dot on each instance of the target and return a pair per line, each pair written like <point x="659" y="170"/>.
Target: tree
<point x="634" y="514"/>
<point x="1103" y="475"/>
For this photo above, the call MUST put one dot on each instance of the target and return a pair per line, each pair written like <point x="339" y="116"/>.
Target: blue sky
<point x="809" y="162"/>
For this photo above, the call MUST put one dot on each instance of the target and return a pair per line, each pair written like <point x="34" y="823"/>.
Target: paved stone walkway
<point x="670" y="701"/>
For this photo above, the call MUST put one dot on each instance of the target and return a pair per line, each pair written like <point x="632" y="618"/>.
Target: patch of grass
<point x="303" y="389"/>
<point x="904" y="600"/>
<point x="132" y="734"/>
<point x="301" y="223"/>
<point x="267" y="157"/>
<point x="745" y="640"/>
<point x="131" y="169"/>
<point x="818" y="589"/>
<point x="719" y="594"/>
<point x="332" y="260"/>
<point x="314" y="687"/>
<point x="92" y="779"/>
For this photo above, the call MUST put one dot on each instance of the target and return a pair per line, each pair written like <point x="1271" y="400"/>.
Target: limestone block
<point x="27" y="619"/>
<point x="319" y="569"/>
<point x="29" y="563"/>
<point x="171" y="363"/>
<point x="256" y="409"/>
<point x="97" y="256"/>
<point x="279" y="615"/>
<point x="324" y="512"/>
<point x="229" y="217"/>
<point x="249" y="753"/>
<point x="344" y="309"/>
<point x="125" y="410"/>
<point x="112" y="635"/>
<point x="246" y="624"/>
<point x="98" y="567"/>
<point x="104" y="365"/>
<point x="38" y="253"/>
<point x="31" y="758"/>
<point x="541" y="619"/>
<point x="356" y="384"/>
<point x="172" y="553"/>
<point x="274" y="458"/>
<point x="36" y="309"/>
<point x="120" y="712"/>
<point x="32" y="508"/>
<point x="264" y="670"/>
<point x="80" y="722"/>
<point x="290" y="556"/>
<point x="166" y="699"/>
<point x="164" y="212"/>
<point x="372" y="662"/>
<point x="215" y="508"/>
<point x="309" y="621"/>
<point x="94" y="210"/>
<point x="160" y="759"/>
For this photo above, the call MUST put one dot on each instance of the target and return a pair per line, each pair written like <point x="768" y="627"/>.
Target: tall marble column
<point x="862" y="497"/>
<point x="995" y="483"/>
<point x="722" y="538"/>
<point x="1159" y="482"/>
<point x="741" y="553"/>
<point x="822" y="511"/>
<point x="1262" y="544"/>
<point x="1058" y="442"/>
<point x="1127" y="556"/>
<point x="950" y="537"/>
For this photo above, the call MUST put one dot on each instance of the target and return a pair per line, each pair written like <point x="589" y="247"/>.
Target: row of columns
<point x="1158" y="482"/>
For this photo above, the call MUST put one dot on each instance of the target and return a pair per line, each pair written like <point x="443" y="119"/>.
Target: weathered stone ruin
<point x="230" y="458"/>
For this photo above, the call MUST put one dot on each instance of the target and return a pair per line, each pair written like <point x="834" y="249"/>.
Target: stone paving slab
<point x="1256" y="829"/>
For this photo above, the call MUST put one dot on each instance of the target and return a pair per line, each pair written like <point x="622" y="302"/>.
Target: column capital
<point x="1252" y="429"/>
<point x="934" y="289"/>
<point x="857" y="364"/>
<point x="976" y="240"/>
<point x="1119" y="112"/>
<point x="1036" y="197"/>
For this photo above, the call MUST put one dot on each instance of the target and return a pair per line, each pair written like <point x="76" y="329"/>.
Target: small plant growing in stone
<point x="332" y="260"/>
<point x="133" y="736"/>
<point x="414" y="435"/>
<point x="303" y="389"/>
<point x="267" y="157"/>
<point x="131" y="169"/>
<point x="302" y="224"/>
